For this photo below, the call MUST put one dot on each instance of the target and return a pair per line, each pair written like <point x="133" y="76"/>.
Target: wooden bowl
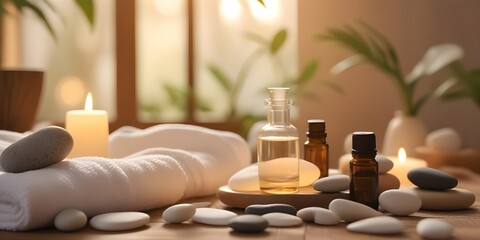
<point x="467" y="158"/>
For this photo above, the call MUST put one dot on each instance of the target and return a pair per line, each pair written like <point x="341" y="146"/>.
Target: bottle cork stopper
<point x="278" y="93"/>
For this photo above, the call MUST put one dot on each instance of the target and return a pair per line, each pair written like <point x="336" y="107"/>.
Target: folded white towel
<point x="159" y="166"/>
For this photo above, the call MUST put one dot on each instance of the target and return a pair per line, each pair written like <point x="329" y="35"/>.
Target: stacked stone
<point x="386" y="181"/>
<point x="437" y="190"/>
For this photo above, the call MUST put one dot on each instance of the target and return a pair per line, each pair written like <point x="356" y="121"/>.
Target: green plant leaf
<point x="333" y="86"/>
<point x="262" y="2"/>
<point x="257" y="38"/>
<point x="393" y="56"/>
<point x="309" y="95"/>
<point x="2" y="8"/>
<point x="50" y="5"/>
<point x="151" y="108"/>
<point x="419" y="103"/>
<point x="307" y="73"/>
<point x="454" y="95"/>
<point x="176" y="95"/>
<point x="86" y="7"/>
<point x="436" y="58"/>
<point x="346" y="64"/>
<point x="446" y="87"/>
<point x="221" y="77"/>
<point x="377" y="50"/>
<point x="278" y="41"/>
<point x="25" y="4"/>
<point x="203" y="105"/>
<point x="88" y="10"/>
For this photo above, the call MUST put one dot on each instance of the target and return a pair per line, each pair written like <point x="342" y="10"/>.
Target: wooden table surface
<point x="466" y="222"/>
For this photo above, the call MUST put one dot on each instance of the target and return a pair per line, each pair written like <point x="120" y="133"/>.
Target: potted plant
<point x="370" y="46"/>
<point x="20" y="89"/>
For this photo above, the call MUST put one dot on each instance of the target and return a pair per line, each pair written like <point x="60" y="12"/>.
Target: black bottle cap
<point x="316" y="128"/>
<point x="364" y="143"/>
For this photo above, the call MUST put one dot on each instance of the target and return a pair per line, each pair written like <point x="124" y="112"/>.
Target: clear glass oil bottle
<point x="316" y="147"/>
<point x="278" y="147"/>
<point x="364" y="170"/>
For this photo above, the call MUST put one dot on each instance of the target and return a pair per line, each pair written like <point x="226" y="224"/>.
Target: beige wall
<point x="371" y="98"/>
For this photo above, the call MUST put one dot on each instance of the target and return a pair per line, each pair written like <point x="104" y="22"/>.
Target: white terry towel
<point x="151" y="176"/>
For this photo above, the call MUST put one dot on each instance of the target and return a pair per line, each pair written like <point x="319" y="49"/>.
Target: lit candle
<point x="402" y="165"/>
<point x="89" y="129"/>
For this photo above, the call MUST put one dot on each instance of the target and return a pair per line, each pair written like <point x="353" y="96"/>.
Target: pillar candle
<point x="89" y="129"/>
<point x="402" y="165"/>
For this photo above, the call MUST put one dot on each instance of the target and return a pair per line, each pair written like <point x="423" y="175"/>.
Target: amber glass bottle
<point x="316" y="147"/>
<point x="364" y="170"/>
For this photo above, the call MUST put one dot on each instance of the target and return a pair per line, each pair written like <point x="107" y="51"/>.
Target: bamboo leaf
<point x="88" y="10"/>
<point x="278" y="41"/>
<point x="221" y="77"/>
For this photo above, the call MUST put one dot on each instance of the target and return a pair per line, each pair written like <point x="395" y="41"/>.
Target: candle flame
<point x="402" y="155"/>
<point x="89" y="102"/>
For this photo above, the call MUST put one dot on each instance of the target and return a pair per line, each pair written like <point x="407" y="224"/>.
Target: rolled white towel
<point x="224" y="152"/>
<point x="150" y="168"/>
<point x="94" y="185"/>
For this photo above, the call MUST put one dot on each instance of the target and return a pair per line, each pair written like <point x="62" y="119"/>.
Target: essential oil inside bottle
<point x="364" y="170"/>
<point x="316" y="147"/>
<point x="278" y="147"/>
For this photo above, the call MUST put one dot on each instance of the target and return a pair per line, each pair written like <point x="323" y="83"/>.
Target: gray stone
<point x="384" y="164"/>
<point x="37" y="150"/>
<point x="248" y="223"/>
<point x="261" y="209"/>
<point x="432" y="179"/>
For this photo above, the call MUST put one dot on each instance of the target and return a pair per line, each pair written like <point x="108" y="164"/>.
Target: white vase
<point x="404" y="131"/>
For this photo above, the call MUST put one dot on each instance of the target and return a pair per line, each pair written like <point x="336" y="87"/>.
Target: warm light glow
<point x="270" y="12"/>
<point x="89" y="102"/>
<point x="168" y="7"/>
<point x="230" y="9"/>
<point x="70" y="91"/>
<point x="402" y="155"/>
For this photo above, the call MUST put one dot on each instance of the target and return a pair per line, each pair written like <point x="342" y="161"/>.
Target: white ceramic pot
<point x="404" y="131"/>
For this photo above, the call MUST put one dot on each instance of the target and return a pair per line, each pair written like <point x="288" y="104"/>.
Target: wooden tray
<point x="305" y="197"/>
